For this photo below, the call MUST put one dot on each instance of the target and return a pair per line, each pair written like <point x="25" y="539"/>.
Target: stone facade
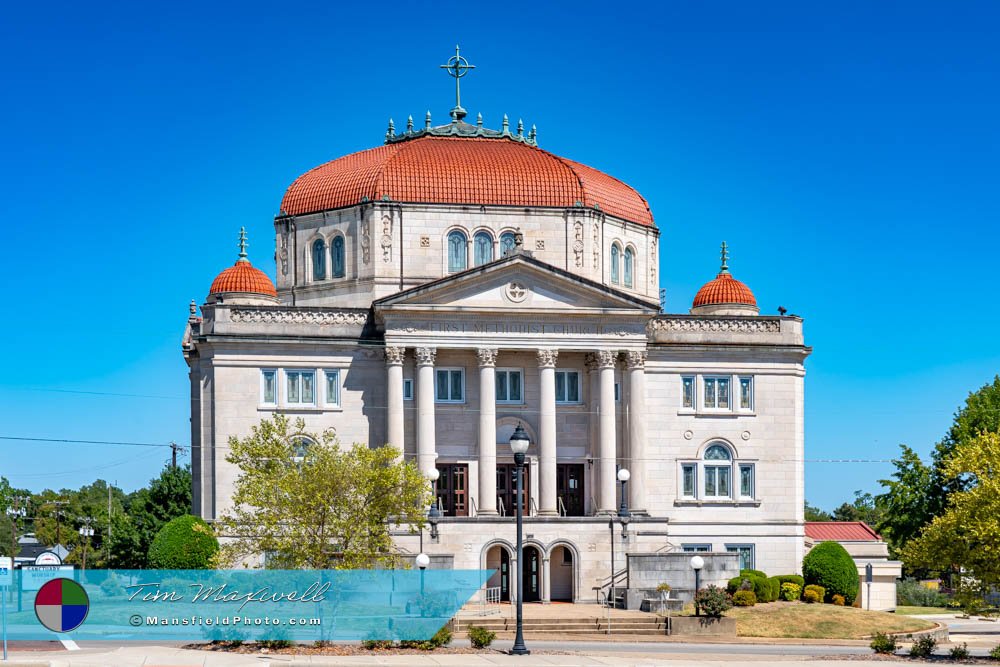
<point x="604" y="381"/>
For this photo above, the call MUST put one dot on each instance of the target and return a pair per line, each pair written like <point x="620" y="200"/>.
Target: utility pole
<point x="173" y="453"/>
<point x="58" y="515"/>
<point x="86" y="532"/>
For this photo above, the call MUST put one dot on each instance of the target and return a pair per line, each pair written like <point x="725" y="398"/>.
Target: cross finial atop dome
<point x="243" y="245"/>
<point x="725" y="258"/>
<point x="457" y="67"/>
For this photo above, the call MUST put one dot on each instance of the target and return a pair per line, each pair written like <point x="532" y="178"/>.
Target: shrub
<point x="883" y="643"/>
<point x="790" y="592"/>
<point x="755" y="573"/>
<point x="811" y="597"/>
<point x="838" y="600"/>
<point x="818" y="590"/>
<point x="185" y="543"/>
<point x="441" y="638"/>
<point x="739" y="583"/>
<point x="829" y="565"/>
<point x="773" y="589"/>
<point x="274" y="643"/>
<point x="923" y="647"/>
<point x="995" y="652"/>
<point x="713" y="601"/>
<point x="744" y="599"/>
<point x="376" y="644"/>
<point x="481" y="637"/>
<point x="959" y="652"/>
<point x="663" y="588"/>
<point x="911" y="592"/>
<point x="792" y="579"/>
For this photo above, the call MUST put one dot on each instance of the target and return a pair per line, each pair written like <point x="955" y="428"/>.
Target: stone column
<point x="637" y="430"/>
<point x="545" y="580"/>
<point x="394" y="397"/>
<point x="487" y="430"/>
<point x="607" y="446"/>
<point x="547" y="432"/>
<point x="425" y="408"/>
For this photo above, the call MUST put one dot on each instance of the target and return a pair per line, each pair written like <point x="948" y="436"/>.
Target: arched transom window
<point x="615" y="261"/>
<point x="337" y="256"/>
<point x="627" y="262"/>
<point x="507" y="243"/>
<point x="457" y="251"/>
<point x="483" y="243"/>
<point x="719" y="475"/>
<point x="319" y="259"/>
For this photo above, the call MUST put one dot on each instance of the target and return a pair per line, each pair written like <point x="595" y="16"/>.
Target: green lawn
<point x="819" y="621"/>
<point x="916" y="611"/>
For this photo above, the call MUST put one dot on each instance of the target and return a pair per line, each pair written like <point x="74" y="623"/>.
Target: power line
<point x="86" y="442"/>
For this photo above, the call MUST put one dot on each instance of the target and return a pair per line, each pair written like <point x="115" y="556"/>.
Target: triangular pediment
<point x="516" y="284"/>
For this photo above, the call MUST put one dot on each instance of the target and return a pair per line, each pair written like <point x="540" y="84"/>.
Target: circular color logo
<point x="61" y="605"/>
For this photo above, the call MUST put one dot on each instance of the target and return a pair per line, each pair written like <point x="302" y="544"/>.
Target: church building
<point x="438" y="290"/>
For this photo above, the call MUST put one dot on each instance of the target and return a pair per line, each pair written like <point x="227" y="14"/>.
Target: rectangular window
<point x="618" y="392"/>
<point x="450" y="385"/>
<point x="746" y="554"/>
<point x="268" y="386"/>
<point x="689" y="475"/>
<point x="717" y="392"/>
<point x="746" y="393"/>
<point x="687" y="392"/>
<point x="300" y="387"/>
<point x="508" y="385"/>
<point x="332" y="387"/>
<point x="407" y="390"/>
<point x="717" y="481"/>
<point x="567" y="387"/>
<point x="696" y="548"/>
<point x="746" y="480"/>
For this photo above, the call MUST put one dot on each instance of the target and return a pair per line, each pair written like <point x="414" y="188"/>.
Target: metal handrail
<point x="473" y="510"/>
<point x="562" y="506"/>
<point x="532" y="507"/>
<point x="501" y="509"/>
<point x="593" y="506"/>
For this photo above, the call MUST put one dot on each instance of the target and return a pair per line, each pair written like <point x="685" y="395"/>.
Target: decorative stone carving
<point x="547" y="358"/>
<point x="487" y="356"/>
<point x="283" y="251"/>
<point x="688" y="434"/>
<point x="745" y="435"/>
<point x="386" y="238"/>
<point x="425" y="242"/>
<point x="652" y="263"/>
<point x="516" y="292"/>
<point x="394" y="355"/>
<point x="539" y="244"/>
<point x="606" y="358"/>
<point x="425" y="356"/>
<point x="597" y="246"/>
<point x="590" y="362"/>
<point x="722" y="325"/>
<point x="635" y="359"/>
<point x="298" y="316"/>
<point x="366" y="242"/>
<point x="578" y="242"/>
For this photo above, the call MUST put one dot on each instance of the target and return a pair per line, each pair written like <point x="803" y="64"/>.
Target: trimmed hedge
<point x="185" y="543"/>
<point x="796" y="579"/>
<point x="829" y="565"/>
<point x="816" y="590"/>
<point x="744" y="599"/>
<point x="773" y="589"/>
<point x="790" y="592"/>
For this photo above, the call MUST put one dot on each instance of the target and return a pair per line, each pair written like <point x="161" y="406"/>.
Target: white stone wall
<point x="392" y="246"/>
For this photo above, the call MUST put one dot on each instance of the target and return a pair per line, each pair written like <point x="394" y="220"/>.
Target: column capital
<point x="487" y="356"/>
<point x="394" y="355"/>
<point x="547" y="358"/>
<point x="635" y="359"/>
<point x="425" y="356"/>
<point x="606" y="358"/>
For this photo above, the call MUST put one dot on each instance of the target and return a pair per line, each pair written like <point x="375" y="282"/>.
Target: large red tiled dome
<point x="243" y="278"/>
<point x="462" y="170"/>
<point x="724" y="289"/>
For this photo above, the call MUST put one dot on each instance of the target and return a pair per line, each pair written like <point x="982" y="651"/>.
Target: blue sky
<point x="846" y="151"/>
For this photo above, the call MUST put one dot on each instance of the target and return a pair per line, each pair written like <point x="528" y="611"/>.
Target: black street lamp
<point x="519" y="445"/>
<point x="422" y="560"/>
<point x="624" y="516"/>
<point x="433" y="514"/>
<point x="697" y="562"/>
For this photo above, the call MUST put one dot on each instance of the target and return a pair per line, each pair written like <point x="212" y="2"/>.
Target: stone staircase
<point x="639" y="625"/>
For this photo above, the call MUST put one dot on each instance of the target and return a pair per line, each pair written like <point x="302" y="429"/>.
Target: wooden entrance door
<point x="453" y="489"/>
<point x="569" y="487"/>
<point x="507" y="487"/>
<point x="532" y="575"/>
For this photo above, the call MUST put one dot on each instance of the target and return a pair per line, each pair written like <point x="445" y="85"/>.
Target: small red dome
<point x="243" y="278"/>
<point x="724" y="289"/>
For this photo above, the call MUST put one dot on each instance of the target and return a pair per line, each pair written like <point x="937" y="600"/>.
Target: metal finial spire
<point x="427" y="120"/>
<point x="506" y="125"/>
<point x="479" y="120"/>
<point x="725" y="258"/>
<point x="457" y="67"/>
<point x="409" y="124"/>
<point x="520" y="127"/>
<point x="243" y="245"/>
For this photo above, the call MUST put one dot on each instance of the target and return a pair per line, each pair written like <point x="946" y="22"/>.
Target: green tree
<point x="318" y="506"/>
<point x="966" y="536"/>
<point x="148" y="510"/>
<point x="184" y="543"/>
<point x="862" y="509"/>
<point x="905" y="505"/>
<point x="815" y="513"/>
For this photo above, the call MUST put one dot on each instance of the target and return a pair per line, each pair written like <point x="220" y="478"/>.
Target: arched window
<point x="628" y="267"/>
<point x="457" y="251"/>
<point x="718" y="472"/>
<point x="300" y="447"/>
<point x="507" y="243"/>
<point x="615" y="253"/>
<point x="337" y="252"/>
<point x="319" y="259"/>
<point x="483" y="244"/>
